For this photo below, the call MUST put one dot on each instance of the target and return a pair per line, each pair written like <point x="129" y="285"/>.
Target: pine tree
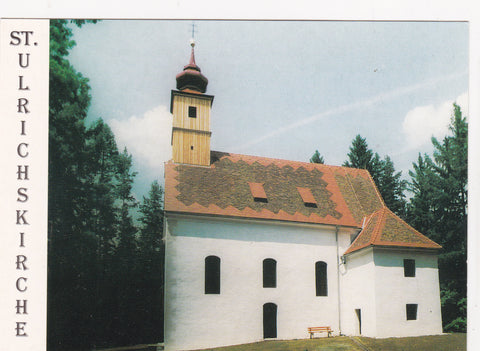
<point x="125" y="278"/>
<point x="317" y="158"/>
<point x="71" y="291"/>
<point x="152" y="256"/>
<point x="451" y="160"/>
<point x="421" y="208"/>
<point x="388" y="181"/>
<point x="103" y="158"/>
<point x="439" y="208"/>
<point x="392" y="187"/>
<point x="152" y="218"/>
<point x="89" y="221"/>
<point x="360" y="156"/>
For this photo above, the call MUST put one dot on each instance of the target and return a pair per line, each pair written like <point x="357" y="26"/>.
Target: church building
<point x="260" y="248"/>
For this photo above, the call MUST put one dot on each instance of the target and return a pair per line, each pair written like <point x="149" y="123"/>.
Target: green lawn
<point x="448" y="342"/>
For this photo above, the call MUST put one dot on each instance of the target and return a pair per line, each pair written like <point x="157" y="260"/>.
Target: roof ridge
<point x="376" y="188"/>
<point x="355" y="193"/>
<point x="380" y="224"/>
<point x="352" y="247"/>
<point x="273" y="159"/>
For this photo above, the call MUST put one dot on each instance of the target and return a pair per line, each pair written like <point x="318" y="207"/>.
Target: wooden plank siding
<point x="180" y="113"/>
<point x="191" y="135"/>
<point x="191" y="147"/>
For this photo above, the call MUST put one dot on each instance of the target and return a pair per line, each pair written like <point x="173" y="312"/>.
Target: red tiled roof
<point x="384" y="228"/>
<point x="342" y="195"/>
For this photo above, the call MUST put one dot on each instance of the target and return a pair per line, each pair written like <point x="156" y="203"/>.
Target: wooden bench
<point x="313" y="330"/>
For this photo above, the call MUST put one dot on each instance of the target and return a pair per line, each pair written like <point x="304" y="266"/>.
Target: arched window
<point x="269" y="273"/>
<point x="212" y="275"/>
<point x="321" y="278"/>
<point x="269" y="320"/>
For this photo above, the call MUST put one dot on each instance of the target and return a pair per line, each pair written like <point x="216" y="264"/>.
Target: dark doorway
<point x="358" y="312"/>
<point x="269" y="320"/>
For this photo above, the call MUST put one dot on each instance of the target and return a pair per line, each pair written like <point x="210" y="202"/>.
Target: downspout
<point x="338" y="283"/>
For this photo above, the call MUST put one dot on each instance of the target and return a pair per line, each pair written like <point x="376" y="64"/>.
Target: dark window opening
<point x="260" y="199"/>
<point x="191" y="147"/>
<point x="321" y="287"/>
<point x="192" y="111"/>
<point x="412" y="311"/>
<point x="409" y="267"/>
<point x="309" y="204"/>
<point x="269" y="273"/>
<point x="269" y="320"/>
<point x="212" y="275"/>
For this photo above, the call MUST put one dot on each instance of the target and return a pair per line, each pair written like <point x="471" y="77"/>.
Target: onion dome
<point x="192" y="78"/>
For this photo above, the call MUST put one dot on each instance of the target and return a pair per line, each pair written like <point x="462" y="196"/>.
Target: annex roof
<point x="384" y="228"/>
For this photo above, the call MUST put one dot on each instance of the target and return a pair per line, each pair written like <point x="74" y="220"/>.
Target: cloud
<point x="462" y="101"/>
<point x="147" y="138"/>
<point x="423" y="122"/>
<point x="392" y="94"/>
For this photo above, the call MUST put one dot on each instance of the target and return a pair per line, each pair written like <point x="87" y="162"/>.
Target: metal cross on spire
<point x="192" y="39"/>
<point x="193" y="30"/>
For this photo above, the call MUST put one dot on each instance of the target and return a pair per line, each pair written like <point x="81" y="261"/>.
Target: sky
<point x="282" y="89"/>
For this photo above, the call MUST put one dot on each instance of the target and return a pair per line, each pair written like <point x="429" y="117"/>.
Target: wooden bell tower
<point x="191" y="108"/>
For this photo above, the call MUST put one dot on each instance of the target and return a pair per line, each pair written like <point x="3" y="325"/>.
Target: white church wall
<point x="394" y="291"/>
<point x="358" y="293"/>
<point x="194" y="319"/>
<point x="373" y="281"/>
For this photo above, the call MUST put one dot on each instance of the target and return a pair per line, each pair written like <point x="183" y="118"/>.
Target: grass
<point x="447" y="342"/>
<point x="332" y="343"/>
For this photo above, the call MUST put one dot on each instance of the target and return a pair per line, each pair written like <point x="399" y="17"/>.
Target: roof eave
<point x="197" y="95"/>
<point x="395" y="247"/>
<point x="248" y="218"/>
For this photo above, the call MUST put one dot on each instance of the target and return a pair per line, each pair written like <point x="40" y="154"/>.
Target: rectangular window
<point x="412" y="311"/>
<point x="409" y="267"/>
<point x="192" y="111"/>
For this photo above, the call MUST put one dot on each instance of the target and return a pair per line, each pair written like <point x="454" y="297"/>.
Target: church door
<point x="269" y="320"/>
<point x="358" y="312"/>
